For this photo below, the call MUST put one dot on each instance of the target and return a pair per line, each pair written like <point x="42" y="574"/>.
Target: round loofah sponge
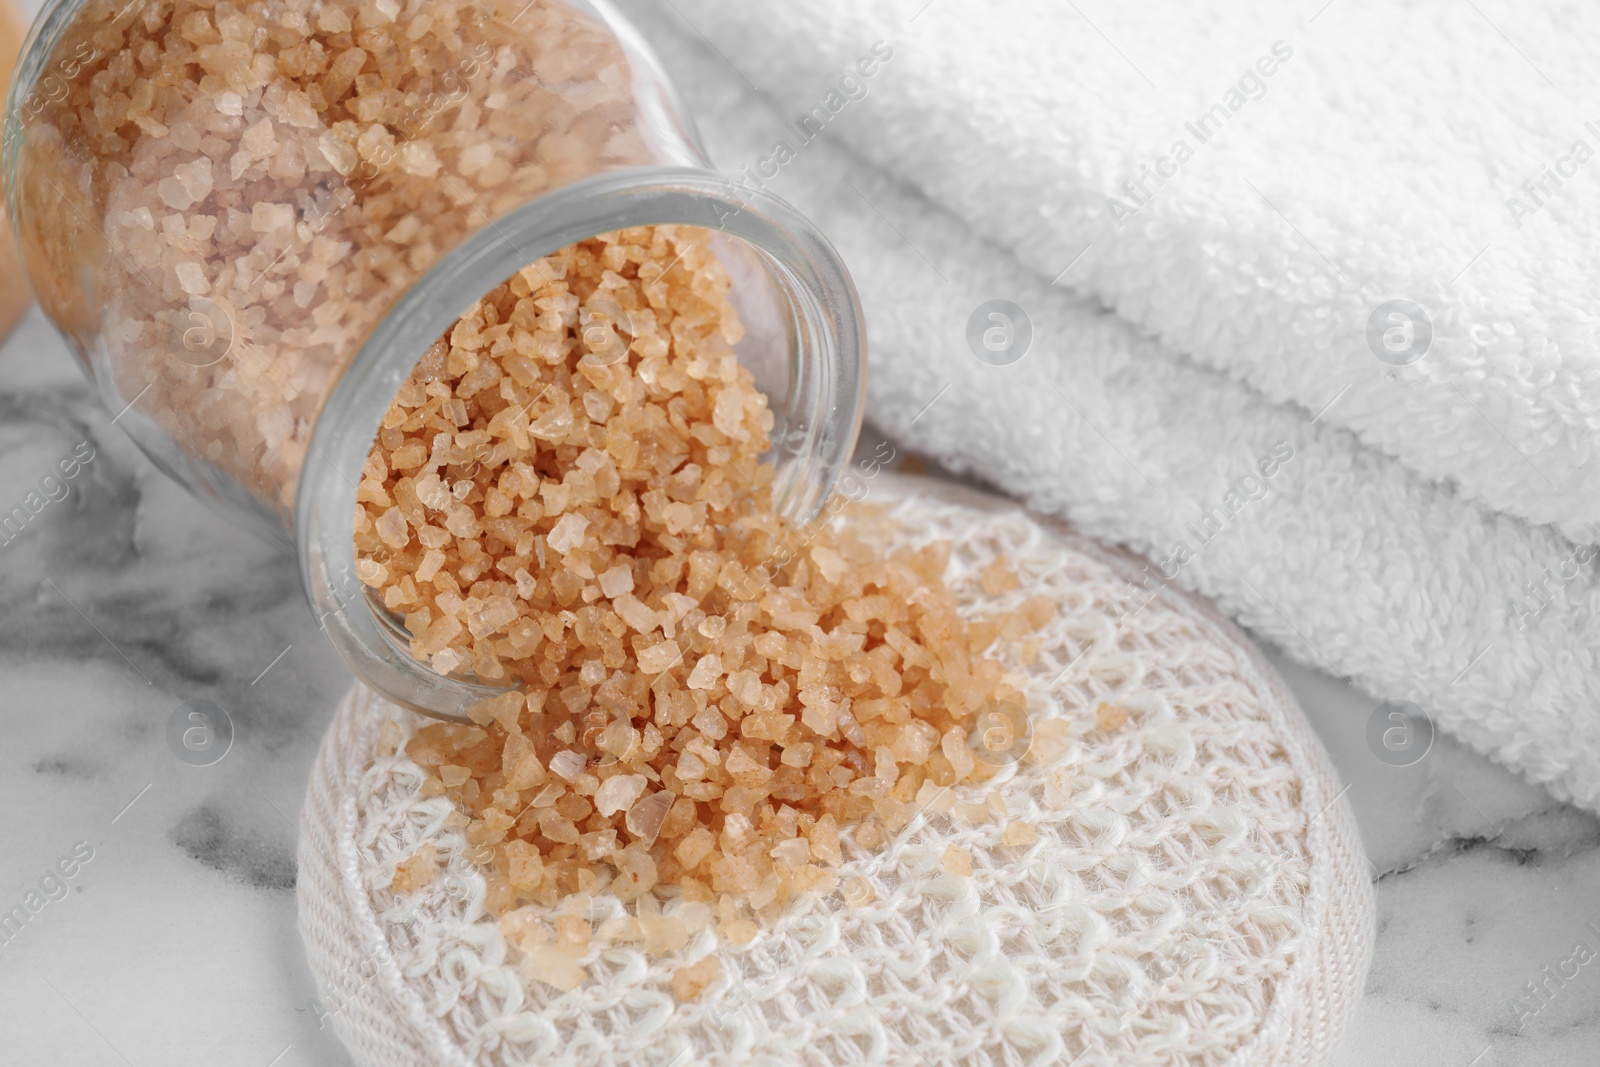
<point x="1162" y="872"/>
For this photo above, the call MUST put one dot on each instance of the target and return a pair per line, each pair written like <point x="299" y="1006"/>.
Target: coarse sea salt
<point x="703" y="695"/>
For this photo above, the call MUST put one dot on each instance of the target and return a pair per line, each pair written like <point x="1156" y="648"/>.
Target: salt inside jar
<point x="251" y="220"/>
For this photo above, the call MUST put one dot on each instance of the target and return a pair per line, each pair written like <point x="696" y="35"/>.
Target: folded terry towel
<point x="1251" y="186"/>
<point x="1197" y="447"/>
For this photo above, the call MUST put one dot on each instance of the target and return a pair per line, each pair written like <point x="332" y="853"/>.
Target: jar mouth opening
<point x="825" y="381"/>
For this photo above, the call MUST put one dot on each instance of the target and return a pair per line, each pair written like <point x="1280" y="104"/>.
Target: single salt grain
<point x="728" y="414"/>
<point x="825" y="841"/>
<point x="695" y="847"/>
<point x="710" y="723"/>
<point x="417" y="158"/>
<point x="388" y="739"/>
<point x="371" y="573"/>
<point x="415" y="871"/>
<point x="955" y="749"/>
<point x="1051" y="739"/>
<point x="935" y="798"/>
<point x="260" y="140"/>
<point x="998" y="578"/>
<point x="821" y="714"/>
<point x="660" y="657"/>
<point x="617" y="580"/>
<point x="745" y="768"/>
<point x="196" y="178"/>
<point x="567" y="764"/>
<point x="267" y="217"/>
<point x="635" y="614"/>
<point x="573" y="934"/>
<point x="662" y="934"/>
<point x="548" y="964"/>
<point x="647" y="814"/>
<point x="557" y="827"/>
<point x="391" y="527"/>
<point x="174" y="194"/>
<point x="740" y="931"/>
<point x="706" y="672"/>
<point x="432" y="561"/>
<point x="331" y="19"/>
<point x="497" y="613"/>
<point x="1018" y="833"/>
<point x="568" y="533"/>
<point x="689" y="982"/>
<point x="192" y="278"/>
<point x="1110" y="716"/>
<point x="957" y="861"/>
<point x="636" y="872"/>
<point x="339" y="153"/>
<point x="746" y="686"/>
<point x="830" y="563"/>
<point x="618" y="793"/>
<point x="793" y="851"/>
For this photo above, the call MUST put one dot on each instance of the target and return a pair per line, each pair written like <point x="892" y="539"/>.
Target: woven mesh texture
<point x="1196" y="893"/>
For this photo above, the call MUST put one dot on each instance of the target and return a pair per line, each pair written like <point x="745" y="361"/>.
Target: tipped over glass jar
<point x="252" y="220"/>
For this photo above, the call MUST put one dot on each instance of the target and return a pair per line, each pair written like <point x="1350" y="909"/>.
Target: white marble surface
<point x="175" y="944"/>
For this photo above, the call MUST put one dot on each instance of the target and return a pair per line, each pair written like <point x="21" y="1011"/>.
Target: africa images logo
<point x="53" y="886"/>
<point x="52" y="490"/>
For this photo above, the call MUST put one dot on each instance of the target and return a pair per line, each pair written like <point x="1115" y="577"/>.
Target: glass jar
<point x="251" y="219"/>
<point x="14" y="296"/>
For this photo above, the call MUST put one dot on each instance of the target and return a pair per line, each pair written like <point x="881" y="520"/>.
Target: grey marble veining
<point x="1482" y="881"/>
<point x="174" y="944"/>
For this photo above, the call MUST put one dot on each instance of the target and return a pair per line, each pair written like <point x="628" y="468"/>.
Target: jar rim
<point x="831" y="334"/>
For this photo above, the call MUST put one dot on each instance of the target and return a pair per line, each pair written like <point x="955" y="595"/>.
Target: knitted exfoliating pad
<point x="1196" y="893"/>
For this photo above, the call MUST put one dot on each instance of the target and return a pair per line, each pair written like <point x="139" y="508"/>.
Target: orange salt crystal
<point x="572" y="935"/>
<point x="661" y="934"/>
<point x="998" y="578"/>
<point x="416" y="871"/>
<point x="548" y="964"/>
<point x="689" y="982"/>
<point x="1110" y="716"/>
<point x="958" y="861"/>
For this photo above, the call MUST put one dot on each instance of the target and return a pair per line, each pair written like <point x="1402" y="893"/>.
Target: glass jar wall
<point x="252" y="219"/>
